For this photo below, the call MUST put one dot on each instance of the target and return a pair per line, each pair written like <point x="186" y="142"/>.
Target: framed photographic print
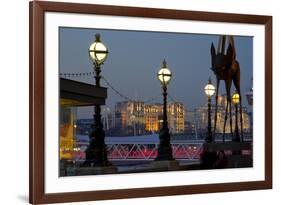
<point x="138" y="102"/>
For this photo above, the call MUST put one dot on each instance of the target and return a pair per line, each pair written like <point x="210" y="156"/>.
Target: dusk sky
<point x="135" y="57"/>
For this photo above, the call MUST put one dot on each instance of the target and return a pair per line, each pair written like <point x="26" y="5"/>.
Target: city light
<point x="98" y="51"/>
<point x="236" y="98"/>
<point x="164" y="74"/>
<point x="210" y="89"/>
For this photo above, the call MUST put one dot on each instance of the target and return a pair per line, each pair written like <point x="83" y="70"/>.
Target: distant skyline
<point x="136" y="56"/>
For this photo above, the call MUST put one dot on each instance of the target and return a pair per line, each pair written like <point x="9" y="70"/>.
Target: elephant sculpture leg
<point x="228" y="107"/>
<point x="236" y="82"/>
<point x="216" y="109"/>
<point x="241" y="119"/>
<point x="230" y="118"/>
<point x="225" y="119"/>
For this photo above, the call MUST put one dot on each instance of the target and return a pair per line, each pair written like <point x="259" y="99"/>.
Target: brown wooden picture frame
<point x="37" y="97"/>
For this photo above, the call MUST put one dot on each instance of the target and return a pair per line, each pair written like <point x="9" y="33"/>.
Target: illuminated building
<point x="129" y="117"/>
<point x="249" y="96"/>
<point x="153" y="117"/>
<point x="190" y="126"/>
<point x="202" y="117"/>
<point x="176" y="117"/>
<point x="138" y="118"/>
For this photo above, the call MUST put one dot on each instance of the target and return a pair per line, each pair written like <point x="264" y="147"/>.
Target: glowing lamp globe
<point x="236" y="98"/>
<point x="210" y="89"/>
<point x="164" y="74"/>
<point x="98" y="51"/>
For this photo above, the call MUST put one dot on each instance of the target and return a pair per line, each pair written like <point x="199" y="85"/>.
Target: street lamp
<point x="164" y="150"/>
<point x="236" y="100"/>
<point x="209" y="91"/>
<point x="96" y="151"/>
<point x="98" y="51"/>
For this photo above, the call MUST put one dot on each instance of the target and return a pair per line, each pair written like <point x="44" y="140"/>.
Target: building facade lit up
<point x="138" y="118"/>
<point x="129" y="117"/>
<point x="198" y="118"/>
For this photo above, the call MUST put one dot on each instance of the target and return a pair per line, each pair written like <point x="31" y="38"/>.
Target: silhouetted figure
<point x="208" y="159"/>
<point x="221" y="160"/>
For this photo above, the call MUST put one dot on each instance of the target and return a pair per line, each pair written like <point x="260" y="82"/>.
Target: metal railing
<point x="137" y="151"/>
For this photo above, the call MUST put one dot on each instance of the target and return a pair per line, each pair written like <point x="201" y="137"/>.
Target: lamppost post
<point x="165" y="118"/>
<point x="164" y="150"/>
<point x="210" y="91"/>
<point x="96" y="152"/>
<point x="236" y="100"/>
<point x="209" y="137"/>
<point x="208" y="157"/>
<point x="97" y="74"/>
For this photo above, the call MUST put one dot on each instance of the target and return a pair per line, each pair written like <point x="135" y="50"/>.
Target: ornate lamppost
<point x="164" y="150"/>
<point x="96" y="153"/>
<point x="209" y="91"/>
<point x="208" y="157"/>
<point x="236" y="100"/>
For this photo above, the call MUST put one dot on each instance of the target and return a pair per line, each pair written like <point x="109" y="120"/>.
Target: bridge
<point x="143" y="147"/>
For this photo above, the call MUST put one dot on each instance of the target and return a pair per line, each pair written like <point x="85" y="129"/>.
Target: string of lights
<point x="79" y="75"/>
<point x="115" y="90"/>
<point x="73" y="75"/>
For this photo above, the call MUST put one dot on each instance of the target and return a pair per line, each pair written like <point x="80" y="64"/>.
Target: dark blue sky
<point x="135" y="57"/>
